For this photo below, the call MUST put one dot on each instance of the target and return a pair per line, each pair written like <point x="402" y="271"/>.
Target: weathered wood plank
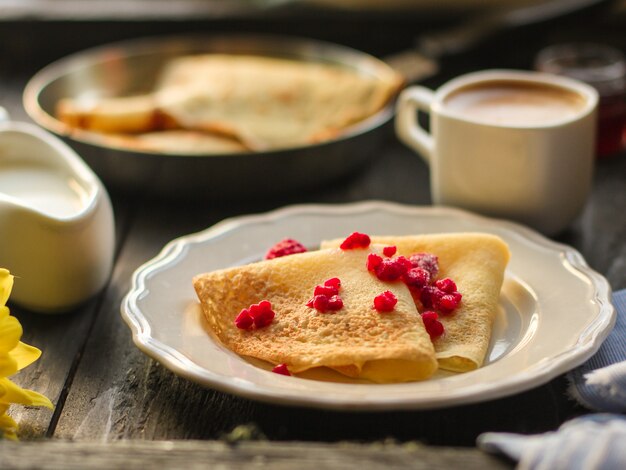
<point x="192" y="455"/>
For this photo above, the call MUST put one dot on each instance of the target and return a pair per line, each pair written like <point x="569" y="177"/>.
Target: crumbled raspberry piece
<point x="447" y="285"/>
<point x="281" y="369"/>
<point x="355" y="240"/>
<point x="333" y="282"/>
<point x="328" y="291"/>
<point x="244" y="320"/>
<point x="426" y="261"/>
<point x="335" y="303"/>
<point x="405" y="262"/>
<point x="326" y="296"/>
<point x="261" y="313"/>
<point x="440" y="295"/>
<point x="416" y="278"/>
<point x="433" y="326"/>
<point x="285" y="247"/>
<point x="389" y="251"/>
<point x="449" y="302"/>
<point x="391" y="269"/>
<point x="429" y="296"/>
<point x="385" y="302"/>
<point x="373" y="261"/>
<point x="319" y="303"/>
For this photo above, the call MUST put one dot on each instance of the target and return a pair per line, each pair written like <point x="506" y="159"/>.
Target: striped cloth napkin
<point x="594" y="441"/>
<point x="600" y="383"/>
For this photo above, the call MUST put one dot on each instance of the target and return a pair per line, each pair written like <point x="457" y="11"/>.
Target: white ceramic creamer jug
<point x="57" y="234"/>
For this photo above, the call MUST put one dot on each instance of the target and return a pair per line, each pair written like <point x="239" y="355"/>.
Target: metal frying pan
<point x="131" y="67"/>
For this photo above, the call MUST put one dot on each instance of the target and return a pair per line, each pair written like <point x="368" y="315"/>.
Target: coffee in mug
<point x="511" y="144"/>
<point x="514" y="103"/>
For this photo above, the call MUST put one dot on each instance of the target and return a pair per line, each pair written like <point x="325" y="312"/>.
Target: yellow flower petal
<point x="6" y="284"/>
<point x="20" y="396"/>
<point x="24" y="355"/>
<point x="10" y="333"/>
<point x="8" y="427"/>
<point x="8" y="365"/>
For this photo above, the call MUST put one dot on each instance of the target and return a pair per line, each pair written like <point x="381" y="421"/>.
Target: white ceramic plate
<point x="554" y="310"/>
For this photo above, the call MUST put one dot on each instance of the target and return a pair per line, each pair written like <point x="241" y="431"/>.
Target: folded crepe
<point x="269" y="102"/>
<point x="476" y="262"/>
<point x="356" y="340"/>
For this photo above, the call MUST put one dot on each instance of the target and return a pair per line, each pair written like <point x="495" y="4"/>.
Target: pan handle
<point x="477" y="30"/>
<point x="408" y="129"/>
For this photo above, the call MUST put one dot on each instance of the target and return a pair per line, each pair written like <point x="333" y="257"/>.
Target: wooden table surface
<point x="115" y="407"/>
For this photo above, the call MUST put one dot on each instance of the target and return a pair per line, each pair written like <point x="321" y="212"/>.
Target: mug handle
<point x="408" y="130"/>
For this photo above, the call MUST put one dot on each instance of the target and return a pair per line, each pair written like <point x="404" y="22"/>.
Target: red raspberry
<point x="325" y="297"/>
<point x="288" y="246"/>
<point x="335" y="303"/>
<point x="355" y="240"/>
<point x="373" y="261"/>
<point x="433" y="326"/>
<point x="426" y="261"/>
<point x="333" y="282"/>
<point x="447" y="285"/>
<point x="244" y="320"/>
<point x="449" y="302"/>
<point x="261" y="313"/>
<point x="391" y="269"/>
<point x="281" y="369"/>
<point x="430" y="296"/>
<point x="328" y="291"/>
<point x="416" y="277"/>
<point x="320" y="302"/>
<point x="405" y="262"/>
<point x="390" y="250"/>
<point x="385" y="302"/>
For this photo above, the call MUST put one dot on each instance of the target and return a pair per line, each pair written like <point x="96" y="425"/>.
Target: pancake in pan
<point x="262" y="103"/>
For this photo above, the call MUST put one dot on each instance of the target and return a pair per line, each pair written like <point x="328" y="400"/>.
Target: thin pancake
<point x="356" y="340"/>
<point x="269" y="102"/>
<point x="476" y="262"/>
<point x="176" y="142"/>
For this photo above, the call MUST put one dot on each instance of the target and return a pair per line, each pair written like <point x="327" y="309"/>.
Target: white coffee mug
<point x="512" y="144"/>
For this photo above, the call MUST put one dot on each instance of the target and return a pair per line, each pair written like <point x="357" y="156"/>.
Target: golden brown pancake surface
<point x="356" y="340"/>
<point x="476" y="262"/>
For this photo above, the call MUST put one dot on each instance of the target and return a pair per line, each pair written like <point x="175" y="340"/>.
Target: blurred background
<point x="430" y="40"/>
<point x="35" y="32"/>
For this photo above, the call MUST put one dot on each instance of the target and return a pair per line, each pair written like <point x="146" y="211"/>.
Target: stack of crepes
<point x="358" y="341"/>
<point x="216" y="103"/>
